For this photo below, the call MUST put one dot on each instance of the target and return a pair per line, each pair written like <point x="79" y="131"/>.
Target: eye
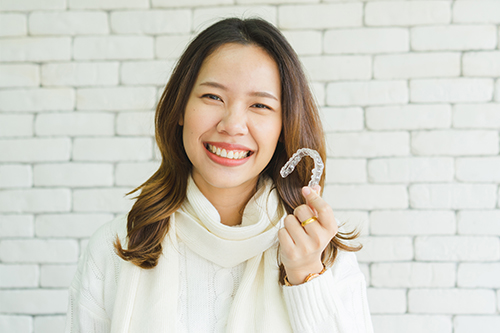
<point x="261" y="106"/>
<point x="214" y="97"/>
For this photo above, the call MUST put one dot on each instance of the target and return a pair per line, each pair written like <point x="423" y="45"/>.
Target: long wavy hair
<point x="162" y="194"/>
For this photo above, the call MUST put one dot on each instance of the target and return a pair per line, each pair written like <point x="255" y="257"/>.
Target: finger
<point x="323" y="209"/>
<point x="285" y="239"/>
<point x="294" y="228"/>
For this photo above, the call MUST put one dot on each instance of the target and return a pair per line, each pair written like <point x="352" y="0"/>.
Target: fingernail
<point x="306" y="190"/>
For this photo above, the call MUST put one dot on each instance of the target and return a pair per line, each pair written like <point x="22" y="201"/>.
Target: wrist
<point x="296" y="277"/>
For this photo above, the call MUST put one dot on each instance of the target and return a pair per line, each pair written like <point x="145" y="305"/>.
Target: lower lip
<point x="226" y="161"/>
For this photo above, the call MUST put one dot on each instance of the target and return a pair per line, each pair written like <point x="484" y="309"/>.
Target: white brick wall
<point x="409" y="94"/>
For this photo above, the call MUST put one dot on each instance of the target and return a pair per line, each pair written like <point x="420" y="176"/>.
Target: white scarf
<point x="147" y="299"/>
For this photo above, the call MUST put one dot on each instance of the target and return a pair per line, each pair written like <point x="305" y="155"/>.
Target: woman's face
<point x="232" y="120"/>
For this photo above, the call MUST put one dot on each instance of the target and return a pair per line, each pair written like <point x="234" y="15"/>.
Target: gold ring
<point x="309" y="220"/>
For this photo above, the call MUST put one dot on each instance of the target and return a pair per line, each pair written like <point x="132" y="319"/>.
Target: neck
<point x="229" y="202"/>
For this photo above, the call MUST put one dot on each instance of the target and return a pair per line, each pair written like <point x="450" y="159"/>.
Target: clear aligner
<point x="295" y="159"/>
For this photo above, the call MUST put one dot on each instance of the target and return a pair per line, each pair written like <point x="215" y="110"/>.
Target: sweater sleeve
<point x="333" y="302"/>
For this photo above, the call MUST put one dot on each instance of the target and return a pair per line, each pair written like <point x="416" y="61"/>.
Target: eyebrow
<point x="223" y="87"/>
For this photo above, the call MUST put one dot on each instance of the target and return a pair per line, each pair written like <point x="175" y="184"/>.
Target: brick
<point x="455" y="142"/>
<point x="451" y="90"/>
<point x="368" y="144"/>
<point x="56" y="276"/>
<point x="34" y="301"/>
<point x="48" y="324"/>
<point x="16" y="226"/>
<point x="146" y="72"/>
<point x="476" y="12"/>
<point x="274" y="1"/>
<point x="342" y="119"/>
<point x="171" y="47"/>
<point x="486" y="64"/>
<point x="134" y="174"/>
<point x="35" y="49"/>
<point x="18" y="276"/>
<point x="28" y="5"/>
<point x="483" y="324"/>
<point x="452" y="196"/>
<point x="410" y="323"/>
<point x="75" y="124"/>
<point x="68" y="23"/>
<point x="476" y="115"/>
<point x="35" y="200"/>
<point x="13" y="25"/>
<point x="416" y="65"/>
<point x="409" y="117"/>
<point x="451" y="301"/>
<point x="479" y="222"/>
<point x="16" y="323"/>
<point x="112" y="149"/>
<point x="102" y="200"/>
<point x="190" y="3"/>
<point x="79" y="74"/>
<point x="108" y="4"/>
<point x="367" y="93"/>
<point x="345" y="171"/>
<point x="113" y="47"/>
<point x="380" y="249"/>
<point x="457" y="248"/>
<point x="318" y="91"/>
<point x="413" y="275"/>
<point x="386" y="300"/>
<point x="325" y="16"/>
<point x="308" y="42"/>
<point x="337" y="68"/>
<point x="497" y="89"/>
<point x="19" y="75"/>
<point x="204" y="16"/>
<point x="73" y="174"/>
<point x="135" y="123"/>
<point x="35" y="100"/>
<point x="412" y="222"/>
<point x="388" y="13"/>
<point x="35" y="150"/>
<point x="366" y="40"/>
<point x="16" y="125"/>
<point x="69" y="225"/>
<point x="478" y="169"/>
<point x="38" y="251"/>
<point x="113" y="99"/>
<point x="151" y="22"/>
<point x="453" y="37"/>
<point x="15" y="175"/>
<point x="410" y="169"/>
<point x="478" y="275"/>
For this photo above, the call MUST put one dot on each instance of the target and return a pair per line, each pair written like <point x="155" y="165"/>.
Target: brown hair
<point x="162" y="194"/>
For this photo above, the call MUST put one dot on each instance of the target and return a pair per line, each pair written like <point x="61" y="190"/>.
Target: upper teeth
<point x="232" y="154"/>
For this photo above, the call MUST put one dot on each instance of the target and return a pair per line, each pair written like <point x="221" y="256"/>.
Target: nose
<point x="233" y="122"/>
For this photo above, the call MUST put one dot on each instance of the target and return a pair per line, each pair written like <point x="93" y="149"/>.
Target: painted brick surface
<point x="408" y="93"/>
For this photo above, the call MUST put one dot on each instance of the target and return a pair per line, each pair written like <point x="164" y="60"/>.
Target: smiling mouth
<point x="230" y="154"/>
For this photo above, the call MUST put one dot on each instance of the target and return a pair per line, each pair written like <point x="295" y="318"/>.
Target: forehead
<point x="239" y="64"/>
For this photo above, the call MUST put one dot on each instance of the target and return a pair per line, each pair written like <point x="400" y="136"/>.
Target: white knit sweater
<point x="206" y="291"/>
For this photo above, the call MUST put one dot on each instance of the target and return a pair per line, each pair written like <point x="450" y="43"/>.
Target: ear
<point x="181" y="120"/>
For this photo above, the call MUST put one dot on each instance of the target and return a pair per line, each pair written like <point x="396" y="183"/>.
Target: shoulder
<point x="100" y="251"/>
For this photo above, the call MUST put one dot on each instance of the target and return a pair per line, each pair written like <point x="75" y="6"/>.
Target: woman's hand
<point x="301" y="247"/>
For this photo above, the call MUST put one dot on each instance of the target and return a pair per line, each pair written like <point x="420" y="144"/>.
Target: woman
<point x="208" y="245"/>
